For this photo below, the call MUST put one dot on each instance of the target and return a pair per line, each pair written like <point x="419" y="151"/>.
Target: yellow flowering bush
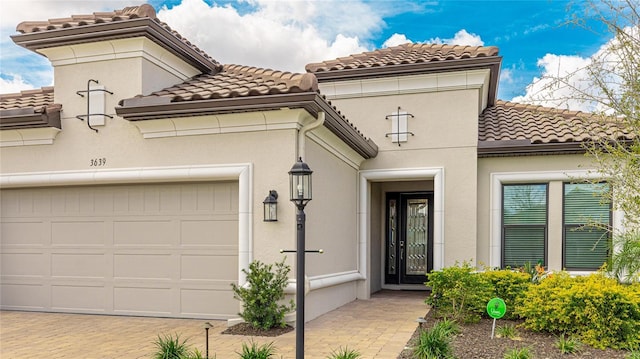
<point x="601" y="311"/>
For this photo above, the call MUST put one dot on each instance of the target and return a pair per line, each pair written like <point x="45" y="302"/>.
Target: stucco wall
<point x="445" y="128"/>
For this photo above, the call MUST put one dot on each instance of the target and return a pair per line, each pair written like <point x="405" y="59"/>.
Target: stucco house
<point x="135" y="185"/>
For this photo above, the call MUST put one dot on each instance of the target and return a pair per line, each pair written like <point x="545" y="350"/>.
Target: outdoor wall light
<point x="271" y="207"/>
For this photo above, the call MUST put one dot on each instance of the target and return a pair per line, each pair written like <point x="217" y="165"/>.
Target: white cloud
<point x="546" y="91"/>
<point x="284" y="35"/>
<point x="461" y="37"/>
<point x="395" y="40"/>
<point x="34" y="69"/>
<point x="567" y="81"/>
<point x="14" y="84"/>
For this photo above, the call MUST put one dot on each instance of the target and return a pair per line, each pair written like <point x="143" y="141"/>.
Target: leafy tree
<point x="609" y="86"/>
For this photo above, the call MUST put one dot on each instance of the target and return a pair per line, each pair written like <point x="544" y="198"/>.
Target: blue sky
<point x="533" y="36"/>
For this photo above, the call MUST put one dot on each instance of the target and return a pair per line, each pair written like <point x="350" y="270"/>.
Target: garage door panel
<point x="76" y="297"/>
<point x="141" y="266"/>
<point x="23" y="296"/>
<point x="224" y="232"/>
<point x="157" y="301"/>
<point x="144" y="232"/>
<point x="208" y="267"/>
<point x="79" y="233"/>
<point x="121" y="249"/>
<point x="195" y="302"/>
<point x="78" y="265"/>
<point x="23" y="233"/>
<point x="23" y="264"/>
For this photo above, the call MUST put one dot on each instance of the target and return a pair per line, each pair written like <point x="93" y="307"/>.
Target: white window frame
<point x="497" y="179"/>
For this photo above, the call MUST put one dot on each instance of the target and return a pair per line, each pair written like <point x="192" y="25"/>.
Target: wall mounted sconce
<point x="271" y="207"/>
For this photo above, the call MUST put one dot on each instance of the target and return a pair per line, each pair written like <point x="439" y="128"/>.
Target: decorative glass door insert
<point x="409" y="237"/>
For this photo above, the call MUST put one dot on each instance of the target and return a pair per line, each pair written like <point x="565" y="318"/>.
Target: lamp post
<point x="207" y="326"/>
<point x="300" y="191"/>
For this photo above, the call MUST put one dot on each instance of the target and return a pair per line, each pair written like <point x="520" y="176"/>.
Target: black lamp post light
<point x="300" y="192"/>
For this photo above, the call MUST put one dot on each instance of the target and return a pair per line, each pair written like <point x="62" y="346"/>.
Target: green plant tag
<point x="496" y="308"/>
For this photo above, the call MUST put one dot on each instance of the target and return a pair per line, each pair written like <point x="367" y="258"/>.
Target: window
<point x="524" y="224"/>
<point x="586" y="219"/>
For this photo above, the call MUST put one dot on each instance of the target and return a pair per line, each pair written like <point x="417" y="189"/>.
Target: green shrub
<point x="599" y="310"/>
<point x="255" y="351"/>
<point x="344" y="353"/>
<point x="168" y="347"/>
<point x="508" y="285"/>
<point x="522" y="353"/>
<point x="633" y="355"/>
<point x="261" y="299"/>
<point x="435" y="343"/>
<point x="459" y="292"/>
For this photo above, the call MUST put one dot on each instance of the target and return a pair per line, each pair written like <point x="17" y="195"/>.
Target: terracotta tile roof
<point x="515" y="124"/>
<point x="106" y="18"/>
<point x="239" y="81"/>
<point x="39" y="99"/>
<point x="402" y="55"/>
<point x="31" y="108"/>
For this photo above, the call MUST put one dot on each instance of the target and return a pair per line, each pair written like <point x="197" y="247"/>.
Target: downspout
<point x="303" y="133"/>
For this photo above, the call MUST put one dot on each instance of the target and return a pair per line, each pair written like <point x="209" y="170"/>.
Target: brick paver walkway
<point x="377" y="328"/>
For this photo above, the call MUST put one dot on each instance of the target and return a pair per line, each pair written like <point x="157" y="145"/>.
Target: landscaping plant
<point x="522" y="353"/>
<point x="344" y="353"/>
<point x="507" y="331"/>
<point x="459" y="292"/>
<point x="567" y="344"/>
<point x="169" y="347"/>
<point x="508" y="285"/>
<point x="435" y="343"/>
<point x="600" y="311"/>
<point x="255" y="351"/>
<point x="261" y="299"/>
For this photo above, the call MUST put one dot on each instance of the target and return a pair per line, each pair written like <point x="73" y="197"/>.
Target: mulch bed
<point x="248" y="330"/>
<point x="475" y="343"/>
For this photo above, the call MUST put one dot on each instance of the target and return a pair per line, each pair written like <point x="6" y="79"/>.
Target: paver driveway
<point x="377" y="328"/>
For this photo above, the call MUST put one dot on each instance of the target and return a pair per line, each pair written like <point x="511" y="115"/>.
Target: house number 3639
<point x="98" y="162"/>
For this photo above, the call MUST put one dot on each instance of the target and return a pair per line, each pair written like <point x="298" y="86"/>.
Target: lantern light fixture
<point x="271" y="207"/>
<point x="300" y="183"/>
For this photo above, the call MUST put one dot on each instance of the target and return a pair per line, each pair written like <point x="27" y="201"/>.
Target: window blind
<point x="586" y="217"/>
<point x="524" y="224"/>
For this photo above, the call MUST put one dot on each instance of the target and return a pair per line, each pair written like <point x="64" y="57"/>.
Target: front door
<point x="409" y="237"/>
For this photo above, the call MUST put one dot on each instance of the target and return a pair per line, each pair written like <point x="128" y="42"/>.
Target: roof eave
<point x="137" y="109"/>
<point x="491" y="62"/>
<point x="140" y="27"/>
<point x="29" y="118"/>
<point x="526" y="148"/>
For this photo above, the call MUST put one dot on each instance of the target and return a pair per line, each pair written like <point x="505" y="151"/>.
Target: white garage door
<point x="166" y="250"/>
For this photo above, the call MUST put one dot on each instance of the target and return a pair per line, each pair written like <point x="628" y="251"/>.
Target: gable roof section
<point x="242" y="89"/>
<point x="129" y="22"/>
<point x="29" y="109"/>
<point x="408" y="59"/>
<point x="510" y="128"/>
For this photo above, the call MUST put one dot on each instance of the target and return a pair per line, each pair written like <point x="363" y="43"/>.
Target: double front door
<point x="409" y="237"/>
